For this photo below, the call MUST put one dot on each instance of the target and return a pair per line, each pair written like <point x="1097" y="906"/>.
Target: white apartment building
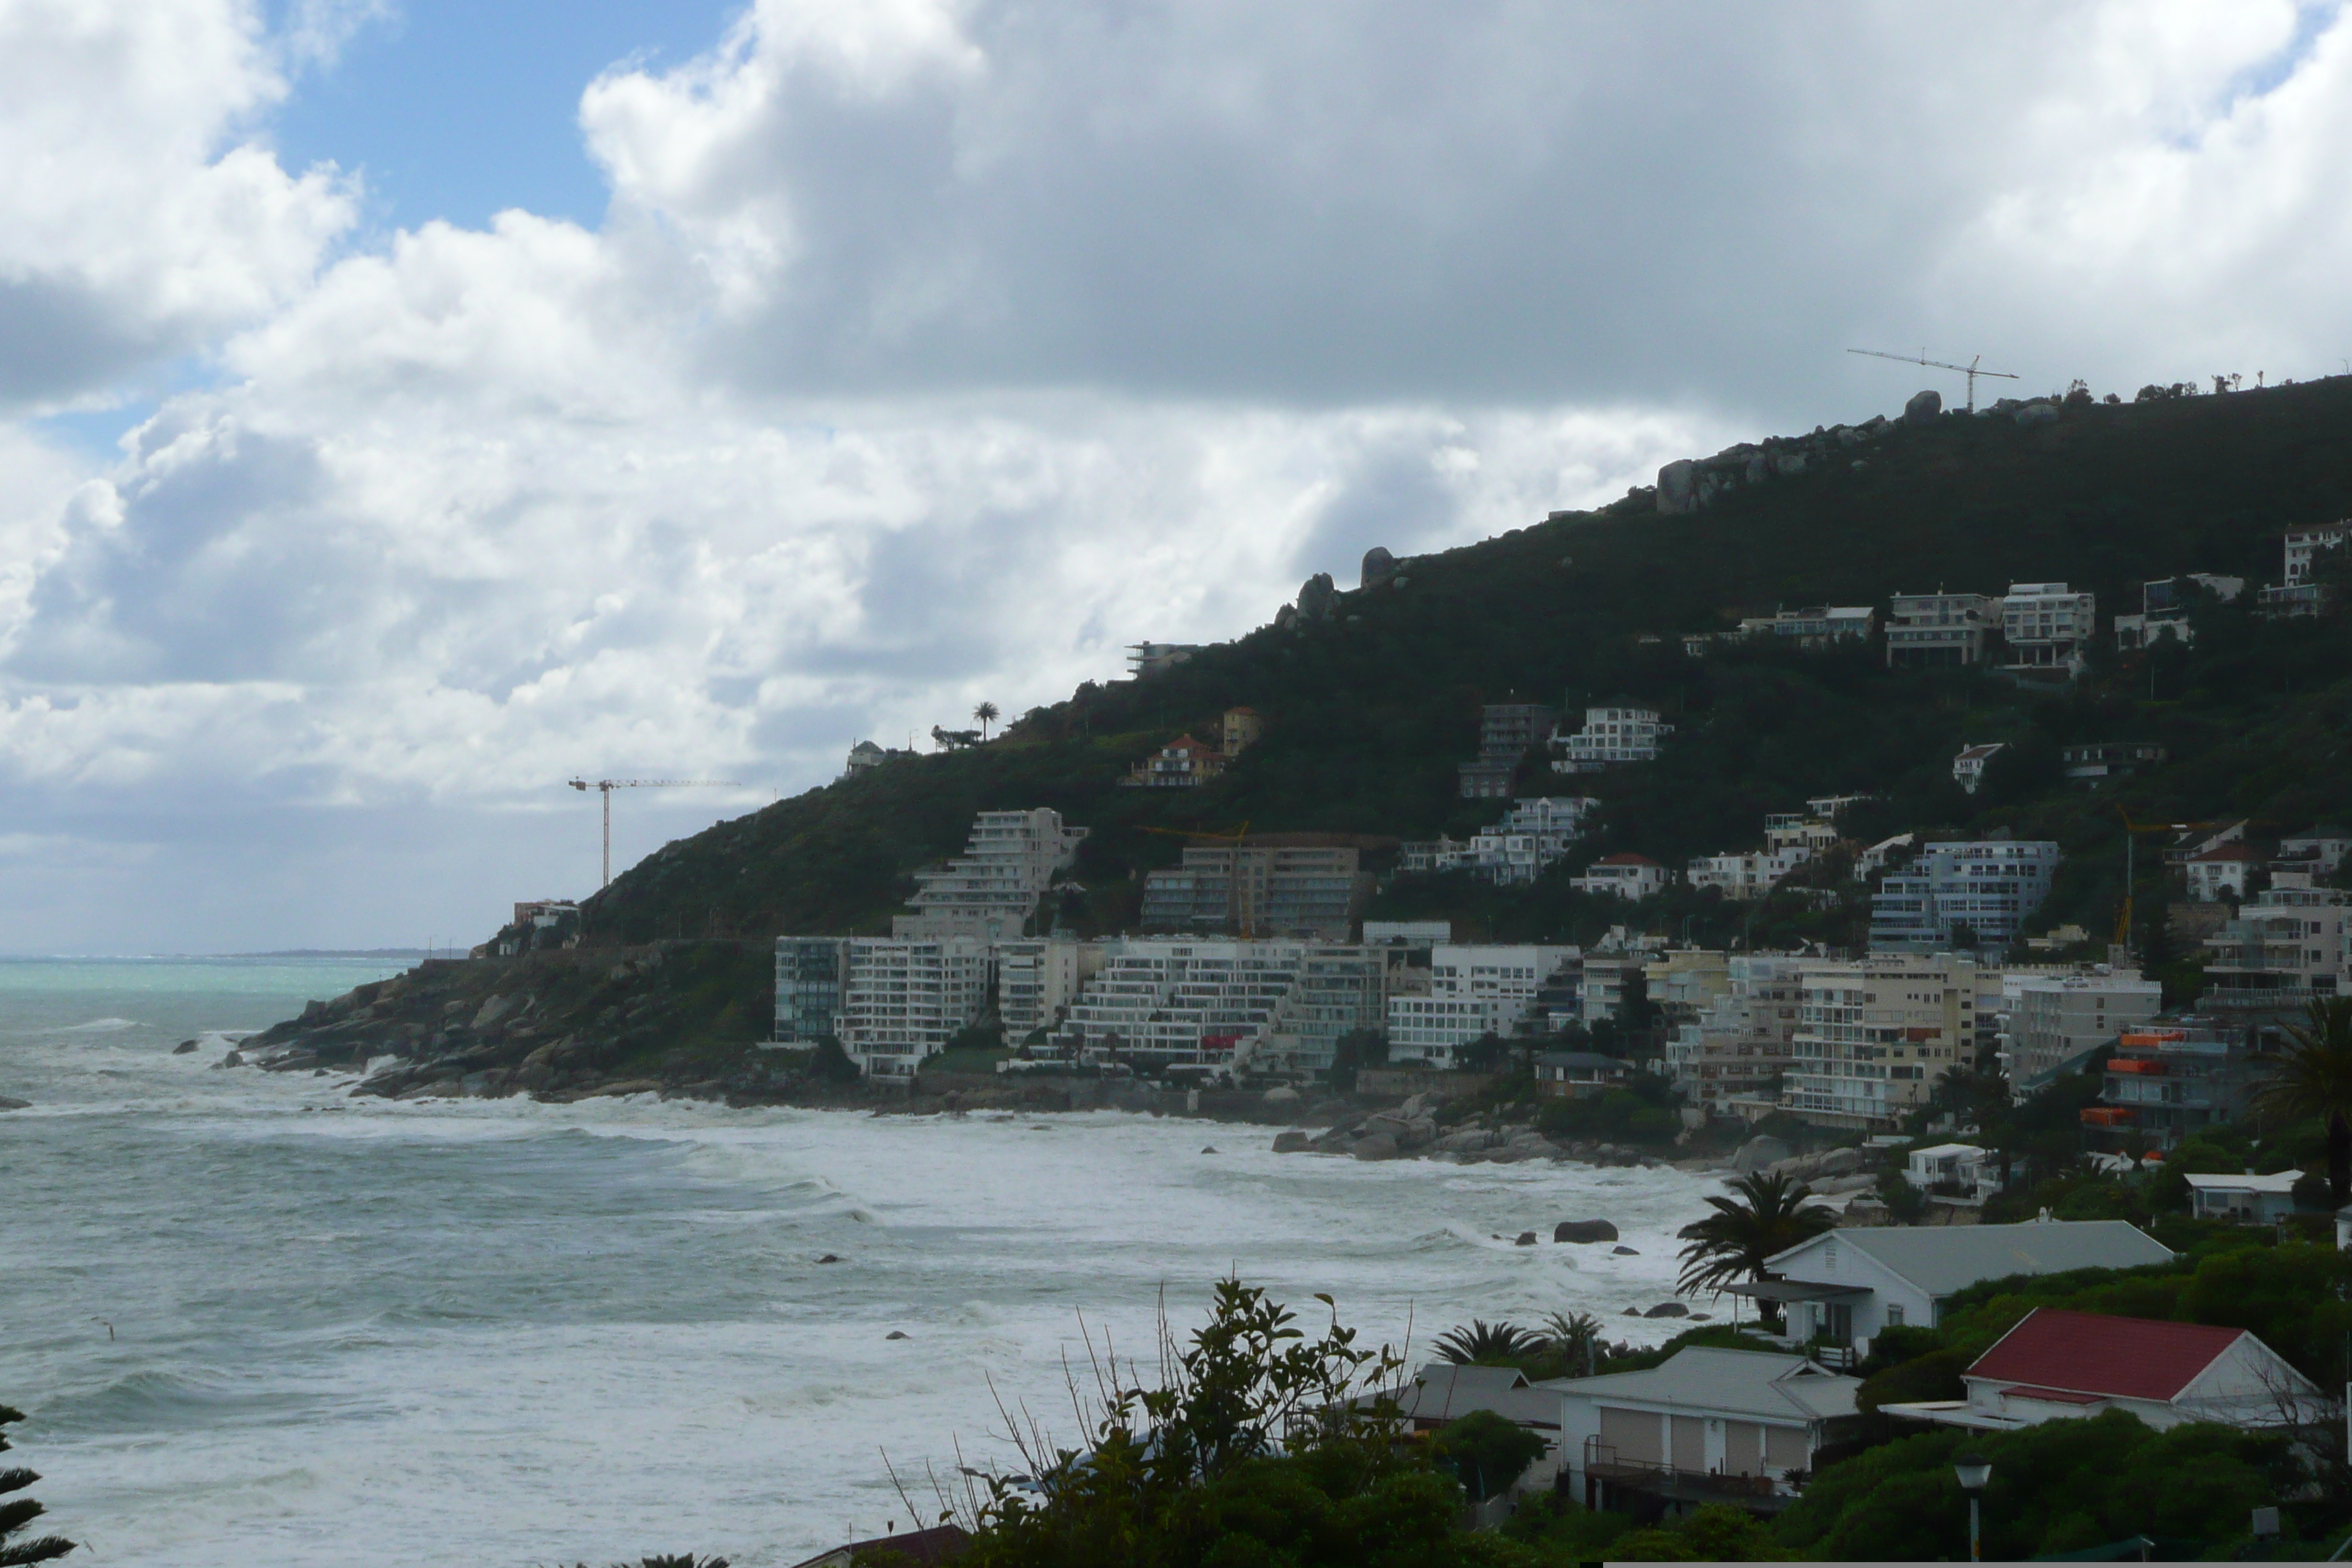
<point x="2164" y="609"/>
<point x="1927" y="630"/>
<point x="2046" y="627"/>
<point x="2220" y="871"/>
<point x="2304" y="544"/>
<point x="1609" y="736"/>
<point x="1744" y="877"/>
<point x="903" y="999"/>
<point x="991" y="890"/>
<point x="1340" y="988"/>
<point x="1988" y="886"/>
<point x="1278" y="1006"/>
<point x="1536" y="832"/>
<point x="1738" y="1048"/>
<point x="2287" y="945"/>
<point x="1814" y="627"/>
<point x="1873" y="1036"/>
<point x="1039" y="977"/>
<point x="2052" y="1019"/>
<point x="1625" y="874"/>
<point x="1812" y="831"/>
<point x="1472" y="991"/>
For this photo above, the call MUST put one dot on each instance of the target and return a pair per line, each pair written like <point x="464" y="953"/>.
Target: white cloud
<point x="934" y="351"/>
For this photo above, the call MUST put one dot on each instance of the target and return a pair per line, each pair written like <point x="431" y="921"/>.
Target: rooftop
<point x="2277" y="1181"/>
<point x="2091" y="1353"/>
<point x="1743" y="1383"/>
<point x="1942" y="1259"/>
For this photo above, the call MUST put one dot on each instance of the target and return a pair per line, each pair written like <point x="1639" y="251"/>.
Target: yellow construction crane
<point x="2132" y="831"/>
<point x="1239" y="905"/>
<point x="606" y="787"/>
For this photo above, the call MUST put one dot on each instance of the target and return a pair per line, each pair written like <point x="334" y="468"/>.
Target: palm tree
<point x="1765" y="1217"/>
<point x="20" y="1513"/>
<point x="1575" y="1339"/>
<point x="1487" y="1345"/>
<point x="986" y="713"/>
<point x="2314" y="1078"/>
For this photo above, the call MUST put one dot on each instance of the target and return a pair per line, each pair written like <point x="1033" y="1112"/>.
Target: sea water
<point x="255" y="1320"/>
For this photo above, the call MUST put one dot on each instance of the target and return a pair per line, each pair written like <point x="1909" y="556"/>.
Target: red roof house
<point x="2057" y="1364"/>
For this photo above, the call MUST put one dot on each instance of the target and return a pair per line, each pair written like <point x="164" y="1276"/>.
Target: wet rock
<point x="184" y="1048"/>
<point x="1924" y="408"/>
<point x="1467" y="1140"/>
<point x="233" y="1060"/>
<point x="1292" y="1142"/>
<point x="630" y="1086"/>
<point x="1584" y="1230"/>
<point x="1623" y="1252"/>
<point x="1760" y="1152"/>
<point x="1209" y="1149"/>
<point x="830" y="1258"/>
<point x="8" y="1104"/>
<point x="1379" y="1146"/>
<point x="1668" y="1309"/>
<point x="895" y="1334"/>
<point x="1526" y="1238"/>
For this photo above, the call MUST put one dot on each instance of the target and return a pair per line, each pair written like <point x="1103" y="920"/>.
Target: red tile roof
<point x="2089" y="1352"/>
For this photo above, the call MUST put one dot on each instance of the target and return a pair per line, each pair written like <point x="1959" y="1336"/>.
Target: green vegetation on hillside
<point x="1366" y="711"/>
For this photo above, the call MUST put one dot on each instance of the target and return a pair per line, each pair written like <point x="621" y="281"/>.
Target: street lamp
<point x="1974" y="1469"/>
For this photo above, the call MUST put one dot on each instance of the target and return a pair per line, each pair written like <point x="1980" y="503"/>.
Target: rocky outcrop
<point x="1584" y="1230"/>
<point x="1924" y="408"/>
<point x="1668" y="1309"/>
<point x="1292" y="1142"/>
<point x="1678" y="487"/>
<point x="1317" y="597"/>
<point x="1379" y="1146"/>
<point x="1378" y="566"/>
<point x="8" y="1104"/>
<point x="1526" y="1238"/>
<point x="1760" y="1152"/>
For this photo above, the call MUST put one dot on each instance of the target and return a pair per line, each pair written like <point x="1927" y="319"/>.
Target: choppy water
<point x="349" y="1331"/>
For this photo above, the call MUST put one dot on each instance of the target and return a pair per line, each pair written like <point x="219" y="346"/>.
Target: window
<point x="1894" y="1314"/>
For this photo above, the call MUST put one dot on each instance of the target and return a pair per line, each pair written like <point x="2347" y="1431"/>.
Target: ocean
<point x="252" y="1321"/>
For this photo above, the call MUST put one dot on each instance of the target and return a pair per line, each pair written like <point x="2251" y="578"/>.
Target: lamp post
<point x="1974" y="1469"/>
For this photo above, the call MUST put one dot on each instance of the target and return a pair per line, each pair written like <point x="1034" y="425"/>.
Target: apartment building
<point x="1037" y="978"/>
<point x="810" y="972"/>
<point x="1624" y="874"/>
<point x="903" y="999"/>
<point x="1472" y="991"/>
<point x="2286" y="946"/>
<point x="1809" y="830"/>
<point x="2045" y="628"/>
<point x="1507" y="731"/>
<point x="2221" y="871"/>
<point x="1422" y="856"/>
<point x="1737" y="1048"/>
<point x="2054" y="1020"/>
<point x="1927" y="631"/>
<point x="2165" y="607"/>
<point x="2315" y="852"/>
<point x="1611" y="736"/>
<point x="2168" y="1080"/>
<point x="1340" y="988"/>
<point x="1534" y="833"/>
<point x="992" y="888"/>
<point x="1983" y="889"/>
<point x="1274" y="885"/>
<point x="1742" y="878"/>
<point x="1816" y="626"/>
<point x="1874" y="1036"/>
<point x="2096" y="759"/>
<point x="1276" y="1005"/>
<point x="2305" y="545"/>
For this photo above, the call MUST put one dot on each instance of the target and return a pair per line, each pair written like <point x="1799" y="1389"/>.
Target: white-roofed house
<point x="1707" y="1425"/>
<point x="2248" y="1199"/>
<point x="1846" y="1285"/>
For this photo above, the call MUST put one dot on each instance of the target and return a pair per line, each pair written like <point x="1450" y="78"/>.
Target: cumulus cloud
<point x="934" y="349"/>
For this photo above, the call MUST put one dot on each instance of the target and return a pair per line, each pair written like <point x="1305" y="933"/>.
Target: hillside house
<point x="1816" y="626"/>
<point x="2058" y="1365"/>
<point x="1182" y="764"/>
<point x="1742" y="878"/>
<point x="1846" y="1285"/>
<point x="1507" y="731"/>
<point x="1145" y="659"/>
<point x="2221" y="871"/>
<point x="2318" y="850"/>
<point x="1624" y="874"/>
<point x="1705" y="1426"/>
<point x="1960" y="1171"/>
<point x="2109" y="759"/>
<point x="1927" y="631"/>
<point x="1577" y="1075"/>
<point x="2044" y="627"/>
<point x="1611" y="736"/>
<point x="2244" y="1199"/>
<point x="2165" y="606"/>
<point x="2303" y="546"/>
<point x="1968" y="768"/>
<point x="2168" y="1080"/>
<point x="1534" y="833"/>
<point x="1242" y="726"/>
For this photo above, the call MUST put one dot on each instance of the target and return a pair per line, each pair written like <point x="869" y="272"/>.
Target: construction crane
<point x="2132" y="831"/>
<point x="1238" y="902"/>
<point x="1968" y="370"/>
<point x="606" y="787"/>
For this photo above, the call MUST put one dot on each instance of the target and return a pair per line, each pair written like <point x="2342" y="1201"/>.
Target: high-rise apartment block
<point x="1472" y="991"/>
<point x="1927" y="630"/>
<point x="1272" y="884"/>
<point x="1874" y="1036"/>
<point x="991" y="890"/>
<point x="1981" y="890"/>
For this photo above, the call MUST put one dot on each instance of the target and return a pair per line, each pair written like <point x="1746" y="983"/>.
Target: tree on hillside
<point x="987" y="713"/>
<point x="2314" y="1078"/>
<point x="1487" y="1345"/>
<point x="1767" y="1217"/>
<point x="14" y="1516"/>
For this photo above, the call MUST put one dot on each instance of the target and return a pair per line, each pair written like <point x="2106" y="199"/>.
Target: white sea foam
<point x="354" y="1331"/>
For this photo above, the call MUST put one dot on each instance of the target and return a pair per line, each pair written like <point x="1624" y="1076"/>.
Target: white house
<point x="2045" y="625"/>
<point x="1610" y="735"/>
<point x="1964" y="1166"/>
<point x="2249" y="1198"/>
<point x="1848" y="1284"/>
<point x="2220" y="871"/>
<point x="1626" y="874"/>
<point x="1968" y="768"/>
<point x="2057" y="1365"/>
<point x="1751" y="875"/>
<point x="2319" y="850"/>
<point x="1704" y="1426"/>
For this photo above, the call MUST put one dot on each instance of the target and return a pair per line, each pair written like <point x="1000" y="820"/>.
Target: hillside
<point x="1369" y="709"/>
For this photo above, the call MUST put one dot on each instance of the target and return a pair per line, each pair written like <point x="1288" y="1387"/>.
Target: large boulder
<point x="1378" y="1146"/>
<point x="1316" y="598"/>
<point x="8" y="1104"/>
<point x="1526" y="1238"/>
<point x="1584" y="1230"/>
<point x="1466" y="1140"/>
<point x="1760" y="1152"/>
<point x="1378" y="566"/>
<point x="496" y="1008"/>
<point x="1924" y="408"/>
<point x="1292" y="1142"/>
<point x="1282" y="1094"/>
<point x="1838" y="1162"/>
<point x="2040" y="411"/>
<point x="1668" y="1309"/>
<point x="1678" y="487"/>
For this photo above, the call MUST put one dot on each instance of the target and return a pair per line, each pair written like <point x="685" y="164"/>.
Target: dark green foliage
<point x="1642" y="1113"/>
<point x="1487" y="1345"/>
<point x="1354" y="1051"/>
<point x="19" y="1513"/>
<point x="1485" y="1452"/>
<point x="1716" y="1532"/>
<point x="1766" y="1216"/>
<point x="1935" y="1375"/>
<point x="832" y="1064"/>
<point x="2059" y="1487"/>
<point x="2314" y="1078"/>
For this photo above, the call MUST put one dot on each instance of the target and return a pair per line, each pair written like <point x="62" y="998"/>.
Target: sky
<point x="406" y="406"/>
